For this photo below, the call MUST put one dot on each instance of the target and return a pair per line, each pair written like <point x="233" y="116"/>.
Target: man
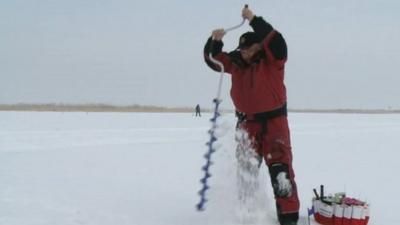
<point x="258" y="92"/>
<point x="198" y="110"/>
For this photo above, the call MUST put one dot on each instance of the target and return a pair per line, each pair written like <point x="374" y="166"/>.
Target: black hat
<point x="248" y="39"/>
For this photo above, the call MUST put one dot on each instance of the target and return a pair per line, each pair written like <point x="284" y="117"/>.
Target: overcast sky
<point x="342" y="53"/>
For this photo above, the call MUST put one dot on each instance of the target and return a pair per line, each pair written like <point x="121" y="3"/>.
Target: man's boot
<point x="288" y="219"/>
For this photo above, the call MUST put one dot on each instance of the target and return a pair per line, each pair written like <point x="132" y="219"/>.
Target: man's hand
<point x="247" y="14"/>
<point x="218" y="34"/>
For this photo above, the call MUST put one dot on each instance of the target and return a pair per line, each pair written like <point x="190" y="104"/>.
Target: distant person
<point x="198" y="110"/>
<point x="257" y="68"/>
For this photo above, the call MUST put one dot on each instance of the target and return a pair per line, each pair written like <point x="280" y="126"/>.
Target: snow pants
<point x="271" y="141"/>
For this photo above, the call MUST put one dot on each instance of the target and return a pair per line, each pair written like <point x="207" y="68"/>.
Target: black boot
<point x="288" y="219"/>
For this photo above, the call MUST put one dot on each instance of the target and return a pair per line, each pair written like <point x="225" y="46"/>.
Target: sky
<point x="342" y="53"/>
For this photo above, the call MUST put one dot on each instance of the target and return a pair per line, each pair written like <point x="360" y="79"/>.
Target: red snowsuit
<point x="258" y="89"/>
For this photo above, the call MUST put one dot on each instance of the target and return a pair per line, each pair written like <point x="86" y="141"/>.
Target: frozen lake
<point x="144" y="168"/>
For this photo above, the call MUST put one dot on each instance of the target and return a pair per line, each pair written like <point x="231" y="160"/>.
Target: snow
<point x="144" y="168"/>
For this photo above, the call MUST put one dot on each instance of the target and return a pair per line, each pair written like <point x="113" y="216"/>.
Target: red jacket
<point x="258" y="87"/>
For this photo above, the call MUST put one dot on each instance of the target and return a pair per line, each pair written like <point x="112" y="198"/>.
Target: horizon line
<point x="100" y="107"/>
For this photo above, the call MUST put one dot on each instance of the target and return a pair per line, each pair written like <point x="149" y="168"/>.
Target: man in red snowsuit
<point x="258" y="92"/>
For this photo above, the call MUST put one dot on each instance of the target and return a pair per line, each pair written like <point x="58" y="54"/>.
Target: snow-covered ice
<point x="144" y="168"/>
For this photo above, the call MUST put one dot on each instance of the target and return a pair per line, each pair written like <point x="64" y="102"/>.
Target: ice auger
<point x="210" y="144"/>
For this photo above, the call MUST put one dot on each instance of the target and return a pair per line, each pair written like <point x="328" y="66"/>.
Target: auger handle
<point x="220" y="63"/>
<point x="237" y="26"/>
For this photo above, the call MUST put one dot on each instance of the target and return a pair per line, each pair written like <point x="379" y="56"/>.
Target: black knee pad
<point x="280" y="180"/>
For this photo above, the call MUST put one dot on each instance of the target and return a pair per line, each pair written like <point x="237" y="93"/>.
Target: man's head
<point x="249" y="46"/>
